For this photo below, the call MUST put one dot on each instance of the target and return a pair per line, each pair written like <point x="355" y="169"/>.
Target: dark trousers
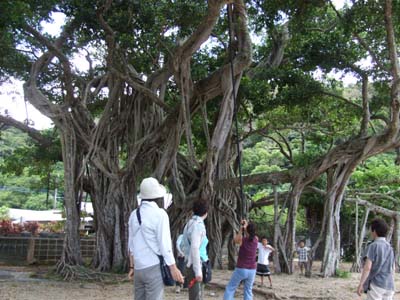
<point x="180" y="263"/>
<point x="197" y="290"/>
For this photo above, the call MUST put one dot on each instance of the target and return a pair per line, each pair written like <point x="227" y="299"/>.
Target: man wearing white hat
<point x="148" y="238"/>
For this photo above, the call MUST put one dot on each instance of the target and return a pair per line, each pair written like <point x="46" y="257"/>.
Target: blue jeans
<point x="245" y="275"/>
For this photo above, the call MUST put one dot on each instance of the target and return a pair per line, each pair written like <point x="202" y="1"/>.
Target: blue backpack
<point x="184" y="243"/>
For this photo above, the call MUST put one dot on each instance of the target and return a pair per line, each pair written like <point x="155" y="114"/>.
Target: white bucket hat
<point x="151" y="189"/>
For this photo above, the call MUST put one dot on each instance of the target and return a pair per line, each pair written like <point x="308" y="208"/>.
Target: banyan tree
<point x="125" y="117"/>
<point x="156" y="98"/>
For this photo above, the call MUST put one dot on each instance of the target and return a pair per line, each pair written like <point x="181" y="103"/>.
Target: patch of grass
<point x="343" y="274"/>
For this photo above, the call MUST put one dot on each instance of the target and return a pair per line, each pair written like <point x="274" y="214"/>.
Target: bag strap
<point x="138" y="216"/>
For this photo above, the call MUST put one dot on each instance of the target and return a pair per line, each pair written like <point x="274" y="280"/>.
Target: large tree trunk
<point x="290" y="233"/>
<point x="225" y="209"/>
<point x="337" y="179"/>
<point x="359" y="242"/>
<point x="277" y="232"/>
<point x="396" y="241"/>
<point x="112" y="204"/>
<point x="72" y="157"/>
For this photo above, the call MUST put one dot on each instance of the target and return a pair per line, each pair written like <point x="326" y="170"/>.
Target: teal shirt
<point x="203" y="249"/>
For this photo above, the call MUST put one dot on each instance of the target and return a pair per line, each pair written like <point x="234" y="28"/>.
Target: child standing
<point x="264" y="250"/>
<point x="302" y="251"/>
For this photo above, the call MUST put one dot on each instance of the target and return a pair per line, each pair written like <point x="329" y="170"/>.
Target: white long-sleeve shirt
<point x="155" y="229"/>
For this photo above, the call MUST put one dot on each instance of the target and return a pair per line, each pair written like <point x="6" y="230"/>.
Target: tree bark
<point x="277" y="231"/>
<point x="290" y="233"/>
<point x="337" y="179"/>
<point x="396" y="242"/>
<point x="111" y="207"/>
<point x="359" y="242"/>
<point x="72" y="157"/>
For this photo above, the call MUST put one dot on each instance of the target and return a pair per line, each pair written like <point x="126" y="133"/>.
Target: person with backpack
<point x="246" y="263"/>
<point x="149" y="240"/>
<point x="194" y="245"/>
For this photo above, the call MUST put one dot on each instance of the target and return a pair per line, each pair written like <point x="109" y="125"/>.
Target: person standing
<point x="377" y="277"/>
<point x="196" y="249"/>
<point x="264" y="250"/>
<point x="149" y="238"/>
<point x="246" y="264"/>
<point x="302" y="252"/>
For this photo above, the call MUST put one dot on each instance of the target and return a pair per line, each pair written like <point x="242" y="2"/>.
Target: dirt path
<point x="19" y="286"/>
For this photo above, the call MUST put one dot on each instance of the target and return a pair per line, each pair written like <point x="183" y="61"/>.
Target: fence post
<point x="30" y="257"/>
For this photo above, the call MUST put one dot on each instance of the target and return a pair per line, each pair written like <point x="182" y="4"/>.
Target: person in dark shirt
<point x="246" y="264"/>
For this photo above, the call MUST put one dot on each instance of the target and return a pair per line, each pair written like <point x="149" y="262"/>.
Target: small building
<point x="40" y="216"/>
<point x="54" y="215"/>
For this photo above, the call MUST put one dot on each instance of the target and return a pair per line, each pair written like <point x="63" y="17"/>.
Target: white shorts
<point x="377" y="293"/>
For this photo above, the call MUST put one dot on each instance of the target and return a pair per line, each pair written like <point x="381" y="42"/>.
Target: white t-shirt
<point x="263" y="254"/>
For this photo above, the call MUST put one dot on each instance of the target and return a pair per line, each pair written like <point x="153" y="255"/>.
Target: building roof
<point x="26" y="215"/>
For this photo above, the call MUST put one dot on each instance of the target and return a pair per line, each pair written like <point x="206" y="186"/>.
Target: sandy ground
<point x="286" y="286"/>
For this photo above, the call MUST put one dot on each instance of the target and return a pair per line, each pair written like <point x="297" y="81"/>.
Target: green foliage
<point x="343" y="274"/>
<point x="264" y="220"/>
<point x="262" y="157"/>
<point x="36" y="202"/>
<point x="4" y="213"/>
<point x="25" y="169"/>
<point x="375" y="171"/>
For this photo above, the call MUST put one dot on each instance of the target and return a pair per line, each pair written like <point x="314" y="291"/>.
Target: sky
<point x="11" y="93"/>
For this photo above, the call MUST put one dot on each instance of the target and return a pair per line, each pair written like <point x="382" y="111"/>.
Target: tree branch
<point x="290" y="153"/>
<point x="32" y="132"/>
<point x="282" y="150"/>
<point x="369" y="50"/>
<point x="348" y="101"/>
<point x="143" y="89"/>
<point x="55" y="48"/>
<point x="280" y="38"/>
<point x="373" y="207"/>
<point x="278" y="177"/>
<point x="202" y="33"/>
<point x="31" y="91"/>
